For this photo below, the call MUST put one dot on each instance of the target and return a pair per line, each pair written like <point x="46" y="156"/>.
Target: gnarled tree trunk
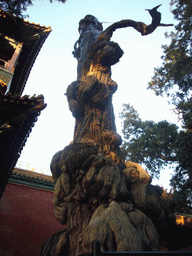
<point x="95" y="190"/>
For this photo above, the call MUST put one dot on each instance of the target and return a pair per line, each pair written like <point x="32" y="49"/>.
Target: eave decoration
<point x="20" y="43"/>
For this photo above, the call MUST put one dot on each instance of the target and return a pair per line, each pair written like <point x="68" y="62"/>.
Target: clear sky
<point x="55" y="69"/>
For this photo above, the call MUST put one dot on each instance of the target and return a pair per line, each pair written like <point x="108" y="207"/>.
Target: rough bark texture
<point x="98" y="199"/>
<point x="96" y="194"/>
<point x="93" y="198"/>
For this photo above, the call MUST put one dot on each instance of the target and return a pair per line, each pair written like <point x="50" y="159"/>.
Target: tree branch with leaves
<point x="17" y="7"/>
<point x="149" y="143"/>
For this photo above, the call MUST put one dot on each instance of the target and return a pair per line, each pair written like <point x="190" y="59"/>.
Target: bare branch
<point x="139" y="26"/>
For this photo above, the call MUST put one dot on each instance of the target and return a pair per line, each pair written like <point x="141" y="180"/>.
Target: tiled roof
<point x="31" y="179"/>
<point x="32" y="36"/>
<point x="18" y="114"/>
<point x="15" y="109"/>
<point x="21" y="30"/>
<point x="17" y="117"/>
<point x="32" y="175"/>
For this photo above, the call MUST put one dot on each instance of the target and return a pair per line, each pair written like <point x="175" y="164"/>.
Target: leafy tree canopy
<point x="158" y="145"/>
<point x="174" y="77"/>
<point x="17" y="7"/>
<point x="176" y="71"/>
<point x="149" y="143"/>
<point x="162" y="144"/>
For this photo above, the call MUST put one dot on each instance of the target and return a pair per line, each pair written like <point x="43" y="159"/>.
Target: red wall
<point x="26" y="220"/>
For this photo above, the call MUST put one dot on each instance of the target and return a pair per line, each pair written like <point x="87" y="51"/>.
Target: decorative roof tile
<point x="31" y="179"/>
<point x="18" y="114"/>
<point x="32" y="36"/>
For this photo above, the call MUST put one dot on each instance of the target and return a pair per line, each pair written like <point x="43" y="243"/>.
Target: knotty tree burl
<point x="97" y="194"/>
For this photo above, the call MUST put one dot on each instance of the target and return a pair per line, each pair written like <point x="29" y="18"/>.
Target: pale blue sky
<point x="55" y="69"/>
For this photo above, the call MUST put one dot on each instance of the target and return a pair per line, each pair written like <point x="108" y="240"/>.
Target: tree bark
<point x="91" y="193"/>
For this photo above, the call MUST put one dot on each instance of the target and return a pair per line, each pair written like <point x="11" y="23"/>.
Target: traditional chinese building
<point x="26" y="214"/>
<point x="20" y="43"/>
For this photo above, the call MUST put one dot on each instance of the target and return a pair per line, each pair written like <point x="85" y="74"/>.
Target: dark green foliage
<point x="152" y="144"/>
<point x="176" y="70"/>
<point x="159" y="145"/>
<point x="174" y="79"/>
<point x="182" y="178"/>
<point x="17" y="7"/>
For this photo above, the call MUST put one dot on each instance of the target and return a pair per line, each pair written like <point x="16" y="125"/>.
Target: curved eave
<point x="32" y="36"/>
<point x="19" y="116"/>
<point x="27" y="58"/>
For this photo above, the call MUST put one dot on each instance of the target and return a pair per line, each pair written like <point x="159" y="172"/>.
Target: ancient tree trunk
<point x="90" y="97"/>
<point x="96" y="191"/>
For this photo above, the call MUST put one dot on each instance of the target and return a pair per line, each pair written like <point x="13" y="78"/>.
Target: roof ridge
<point x="6" y="14"/>
<point x="32" y="175"/>
<point x="38" y="25"/>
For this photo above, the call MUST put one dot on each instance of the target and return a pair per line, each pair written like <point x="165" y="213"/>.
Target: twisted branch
<point x="139" y="26"/>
